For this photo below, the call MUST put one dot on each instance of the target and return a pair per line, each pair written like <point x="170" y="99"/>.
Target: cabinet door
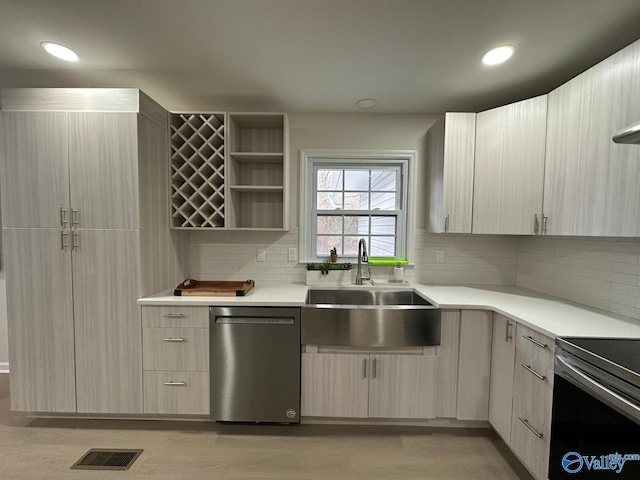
<point x="106" y="278"/>
<point x="403" y="386"/>
<point x="591" y="183"/>
<point x="447" y="351"/>
<point x="450" y="150"/>
<point x="35" y="175"/>
<point x="503" y="353"/>
<point x="335" y="385"/>
<point x="103" y="169"/>
<point x="40" y="321"/>
<point x="509" y="167"/>
<point x="474" y="371"/>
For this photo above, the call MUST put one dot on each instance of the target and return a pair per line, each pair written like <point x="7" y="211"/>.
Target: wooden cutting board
<point x="199" y="288"/>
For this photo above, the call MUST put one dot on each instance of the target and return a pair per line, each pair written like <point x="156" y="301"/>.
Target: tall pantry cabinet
<point x="85" y="223"/>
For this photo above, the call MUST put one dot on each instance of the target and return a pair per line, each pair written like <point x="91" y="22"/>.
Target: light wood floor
<point x="46" y="448"/>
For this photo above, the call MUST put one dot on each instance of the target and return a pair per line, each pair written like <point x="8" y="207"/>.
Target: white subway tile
<point x="630" y="268"/>
<point x="625" y="289"/>
<point x="614" y="277"/>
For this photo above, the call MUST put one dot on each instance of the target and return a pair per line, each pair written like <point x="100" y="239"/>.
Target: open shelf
<point x="253" y="157"/>
<point x="256" y="188"/>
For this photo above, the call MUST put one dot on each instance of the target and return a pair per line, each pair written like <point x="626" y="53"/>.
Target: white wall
<point x="600" y="272"/>
<point x="480" y="260"/>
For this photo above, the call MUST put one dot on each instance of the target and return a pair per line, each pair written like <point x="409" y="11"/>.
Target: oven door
<point x="595" y="429"/>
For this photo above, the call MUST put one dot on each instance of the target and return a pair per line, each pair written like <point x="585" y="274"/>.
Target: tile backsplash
<point x="599" y="272"/>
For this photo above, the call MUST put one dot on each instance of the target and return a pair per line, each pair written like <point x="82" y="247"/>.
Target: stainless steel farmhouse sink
<point x="369" y="318"/>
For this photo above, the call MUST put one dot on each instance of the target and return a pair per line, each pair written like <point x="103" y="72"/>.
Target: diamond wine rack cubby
<point x="197" y="170"/>
<point x="230" y="171"/>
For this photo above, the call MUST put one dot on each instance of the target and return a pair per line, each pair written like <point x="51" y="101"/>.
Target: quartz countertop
<point x="546" y="314"/>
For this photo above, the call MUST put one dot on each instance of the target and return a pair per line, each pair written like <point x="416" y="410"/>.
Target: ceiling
<point x="413" y="56"/>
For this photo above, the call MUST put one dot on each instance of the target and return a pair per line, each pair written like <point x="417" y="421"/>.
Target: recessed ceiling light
<point x="498" y="55"/>
<point x="366" y="103"/>
<point x="60" y="51"/>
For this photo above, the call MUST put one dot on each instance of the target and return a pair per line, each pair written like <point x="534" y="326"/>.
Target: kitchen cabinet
<point x="176" y="360"/>
<point x="75" y="155"/>
<point x="447" y="370"/>
<point x="532" y="400"/>
<point x="503" y="351"/>
<point x="509" y="168"/>
<point x="368" y="385"/>
<point x="474" y="368"/>
<point x="591" y="183"/>
<point x="450" y="160"/>
<point x="230" y="171"/>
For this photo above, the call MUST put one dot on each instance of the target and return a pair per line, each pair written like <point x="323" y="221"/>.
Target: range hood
<point x="631" y="134"/>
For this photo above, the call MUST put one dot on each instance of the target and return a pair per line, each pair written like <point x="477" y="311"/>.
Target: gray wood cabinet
<point x="93" y="158"/>
<point x="509" y="168"/>
<point x="503" y="351"/>
<point x="450" y="157"/>
<point x="591" y="183"/>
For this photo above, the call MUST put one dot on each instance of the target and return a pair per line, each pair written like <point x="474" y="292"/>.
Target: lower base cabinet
<point x="352" y="385"/>
<point x="184" y="393"/>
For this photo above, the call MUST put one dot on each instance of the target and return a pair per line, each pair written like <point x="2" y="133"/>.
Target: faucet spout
<point x="362" y="258"/>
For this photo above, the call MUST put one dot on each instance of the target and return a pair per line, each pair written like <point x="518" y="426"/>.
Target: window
<point x="352" y="195"/>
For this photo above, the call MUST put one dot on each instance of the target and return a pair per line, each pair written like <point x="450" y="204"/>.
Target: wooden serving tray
<point x="198" y="288"/>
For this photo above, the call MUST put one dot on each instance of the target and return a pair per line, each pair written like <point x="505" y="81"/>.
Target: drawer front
<point x="175" y="349"/>
<point x="527" y="445"/>
<point x="180" y="393"/>
<point x="534" y="347"/>
<point x="175" y="316"/>
<point x="532" y="393"/>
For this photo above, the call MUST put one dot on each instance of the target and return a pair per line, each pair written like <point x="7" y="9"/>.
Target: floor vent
<point x="106" y="459"/>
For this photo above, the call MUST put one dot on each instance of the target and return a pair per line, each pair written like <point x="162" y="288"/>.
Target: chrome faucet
<point x="362" y="257"/>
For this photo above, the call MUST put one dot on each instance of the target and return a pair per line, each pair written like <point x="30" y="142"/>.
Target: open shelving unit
<point x="230" y="171"/>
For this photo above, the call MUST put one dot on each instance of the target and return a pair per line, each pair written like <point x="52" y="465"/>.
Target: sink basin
<point x="364" y="297"/>
<point x="369" y="318"/>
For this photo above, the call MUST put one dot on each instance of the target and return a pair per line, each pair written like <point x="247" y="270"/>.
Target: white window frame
<point x="404" y="159"/>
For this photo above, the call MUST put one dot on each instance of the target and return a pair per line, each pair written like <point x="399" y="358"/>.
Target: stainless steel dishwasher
<point x="255" y="364"/>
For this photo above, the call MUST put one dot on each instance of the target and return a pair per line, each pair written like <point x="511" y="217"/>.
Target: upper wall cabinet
<point x="450" y="154"/>
<point x="592" y="184"/>
<point x="230" y="171"/>
<point x="509" y="168"/>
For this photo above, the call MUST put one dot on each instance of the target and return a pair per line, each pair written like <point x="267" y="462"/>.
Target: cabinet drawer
<point x="175" y="316"/>
<point x="175" y="349"/>
<point x="184" y="393"/>
<point x="527" y="444"/>
<point x="533" y="394"/>
<point x="534" y="347"/>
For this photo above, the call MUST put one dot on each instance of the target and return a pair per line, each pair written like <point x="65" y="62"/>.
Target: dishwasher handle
<point x="230" y="320"/>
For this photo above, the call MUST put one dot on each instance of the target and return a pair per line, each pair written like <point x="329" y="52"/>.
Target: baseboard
<point x="4" y="367"/>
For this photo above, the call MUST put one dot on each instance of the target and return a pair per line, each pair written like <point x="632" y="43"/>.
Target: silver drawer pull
<point x="526" y="424"/>
<point x="534" y="341"/>
<point x="175" y="384"/>
<point x="173" y="339"/>
<point x="173" y="315"/>
<point x="531" y="370"/>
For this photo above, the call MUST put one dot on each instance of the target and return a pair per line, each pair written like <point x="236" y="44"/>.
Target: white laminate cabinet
<point x="450" y="153"/>
<point x="71" y="161"/>
<point x="474" y="369"/>
<point x="591" y="183"/>
<point x="181" y="348"/>
<point x="447" y="370"/>
<point x="176" y="393"/>
<point x="503" y="351"/>
<point x="40" y="310"/>
<point x="509" y="168"/>
<point x="334" y="385"/>
<point x="402" y="386"/>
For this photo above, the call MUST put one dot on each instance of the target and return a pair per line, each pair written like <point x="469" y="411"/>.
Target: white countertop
<point x="548" y="315"/>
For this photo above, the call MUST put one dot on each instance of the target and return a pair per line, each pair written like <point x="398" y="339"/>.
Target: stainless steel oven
<point x="595" y="429"/>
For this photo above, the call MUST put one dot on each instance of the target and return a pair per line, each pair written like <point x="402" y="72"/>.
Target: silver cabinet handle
<point x="534" y="341"/>
<point x="75" y="245"/>
<point x="526" y="424"/>
<point x="63" y="235"/>
<point x="531" y="370"/>
<point x="364" y="368"/>
<point x="536" y="223"/>
<point x="507" y="332"/>
<point x="375" y="368"/>
<point x="173" y="315"/>
<point x="446" y="223"/>
<point x="544" y="224"/>
<point x="173" y="339"/>
<point x="74" y="217"/>
<point x="175" y="384"/>
<point x="63" y="217"/>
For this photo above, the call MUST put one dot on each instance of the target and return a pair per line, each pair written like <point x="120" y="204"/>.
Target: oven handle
<point x="601" y="392"/>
